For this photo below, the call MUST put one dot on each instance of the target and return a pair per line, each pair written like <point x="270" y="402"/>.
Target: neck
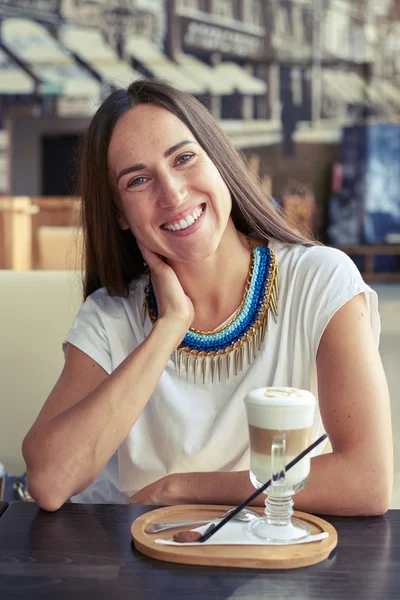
<point x="216" y="285"/>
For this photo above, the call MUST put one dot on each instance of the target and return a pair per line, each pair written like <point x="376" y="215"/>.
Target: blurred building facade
<point x="222" y="43"/>
<point x="68" y="54"/>
<point x="277" y="73"/>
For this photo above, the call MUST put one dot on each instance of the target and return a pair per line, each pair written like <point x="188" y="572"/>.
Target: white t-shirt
<point x="188" y="427"/>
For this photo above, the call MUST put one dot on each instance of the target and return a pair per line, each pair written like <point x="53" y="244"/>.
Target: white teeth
<point x="184" y="223"/>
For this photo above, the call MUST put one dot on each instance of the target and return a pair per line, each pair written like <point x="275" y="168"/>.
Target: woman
<point x="131" y="419"/>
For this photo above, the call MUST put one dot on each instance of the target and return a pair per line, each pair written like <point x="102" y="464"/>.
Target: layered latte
<point x="273" y="411"/>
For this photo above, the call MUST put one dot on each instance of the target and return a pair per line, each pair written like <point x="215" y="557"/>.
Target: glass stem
<point x="279" y="509"/>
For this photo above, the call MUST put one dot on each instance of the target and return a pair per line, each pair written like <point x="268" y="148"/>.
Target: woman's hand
<point x="164" y="491"/>
<point x="173" y="304"/>
<point x="206" y="487"/>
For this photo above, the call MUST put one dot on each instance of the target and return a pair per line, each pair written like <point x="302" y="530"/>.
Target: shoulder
<point x="310" y="262"/>
<point x="101" y="302"/>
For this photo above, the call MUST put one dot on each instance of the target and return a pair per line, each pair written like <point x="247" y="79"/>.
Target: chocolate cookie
<point x="185" y="537"/>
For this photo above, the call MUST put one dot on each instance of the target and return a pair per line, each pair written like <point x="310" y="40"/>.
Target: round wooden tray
<point x="253" y="557"/>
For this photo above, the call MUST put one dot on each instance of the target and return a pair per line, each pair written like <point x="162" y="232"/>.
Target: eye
<point x="136" y="182"/>
<point x="183" y="158"/>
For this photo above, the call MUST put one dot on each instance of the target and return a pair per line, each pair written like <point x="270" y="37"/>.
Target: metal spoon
<point x="246" y="514"/>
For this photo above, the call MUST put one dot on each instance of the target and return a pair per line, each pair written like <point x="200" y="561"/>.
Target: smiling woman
<point x="172" y="180"/>
<point x="185" y="313"/>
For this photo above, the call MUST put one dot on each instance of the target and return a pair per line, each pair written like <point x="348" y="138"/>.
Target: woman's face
<point x="172" y="196"/>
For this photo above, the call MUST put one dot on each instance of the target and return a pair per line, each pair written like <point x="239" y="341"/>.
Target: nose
<point x="172" y="191"/>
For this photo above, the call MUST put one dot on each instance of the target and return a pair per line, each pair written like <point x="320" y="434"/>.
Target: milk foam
<point x="280" y="408"/>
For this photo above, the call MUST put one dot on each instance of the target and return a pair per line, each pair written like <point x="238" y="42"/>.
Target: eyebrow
<point x="140" y="166"/>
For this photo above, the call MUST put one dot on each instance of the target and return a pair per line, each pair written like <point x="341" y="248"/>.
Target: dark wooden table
<point x="85" y="551"/>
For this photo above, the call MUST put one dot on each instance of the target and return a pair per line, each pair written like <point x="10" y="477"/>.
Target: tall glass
<point x="280" y="424"/>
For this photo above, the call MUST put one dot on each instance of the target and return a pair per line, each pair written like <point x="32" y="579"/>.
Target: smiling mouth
<point x="188" y="221"/>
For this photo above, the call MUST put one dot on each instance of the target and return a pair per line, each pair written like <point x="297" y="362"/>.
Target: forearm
<point x="335" y="487"/>
<point x="341" y="486"/>
<point x="66" y="453"/>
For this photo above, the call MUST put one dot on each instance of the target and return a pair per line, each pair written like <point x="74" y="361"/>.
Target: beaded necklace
<point x="243" y="333"/>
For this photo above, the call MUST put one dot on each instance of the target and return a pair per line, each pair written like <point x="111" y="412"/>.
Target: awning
<point x="45" y="58"/>
<point x="214" y="83"/>
<point x="344" y="87"/>
<point x="13" y="80"/>
<point x="90" y="46"/>
<point x="68" y="79"/>
<point x="354" y="86"/>
<point x="117" y="73"/>
<point x="32" y="43"/>
<point x="390" y="92"/>
<point x="243" y="81"/>
<point x="332" y="87"/>
<point x="146" y="53"/>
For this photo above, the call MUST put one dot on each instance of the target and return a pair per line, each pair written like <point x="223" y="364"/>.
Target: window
<point x="282" y="22"/>
<point x="298" y="26"/>
<point x="297" y="86"/>
<point x="357" y="43"/>
<point x="252" y="12"/>
<point x="142" y="24"/>
<point x="188" y="4"/>
<point x="223" y="8"/>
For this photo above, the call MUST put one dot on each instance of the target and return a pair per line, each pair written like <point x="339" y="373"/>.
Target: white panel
<point x="207" y="75"/>
<point x="87" y="43"/>
<point x="118" y="73"/>
<point x="13" y="80"/>
<point x="32" y="42"/>
<point x="242" y="80"/>
<point x="143" y="50"/>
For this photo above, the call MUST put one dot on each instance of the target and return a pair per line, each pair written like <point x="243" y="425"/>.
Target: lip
<point x="188" y="230"/>
<point x="183" y="215"/>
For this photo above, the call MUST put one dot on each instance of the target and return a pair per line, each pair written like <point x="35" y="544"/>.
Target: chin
<point x="190" y="255"/>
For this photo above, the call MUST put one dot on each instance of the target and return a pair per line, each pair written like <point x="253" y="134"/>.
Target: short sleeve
<point x="89" y="334"/>
<point x="332" y="280"/>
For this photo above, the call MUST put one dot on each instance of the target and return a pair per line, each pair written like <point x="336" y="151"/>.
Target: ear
<point x="122" y="222"/>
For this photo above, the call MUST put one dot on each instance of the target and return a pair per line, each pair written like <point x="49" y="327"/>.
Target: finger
<point x="132" y="500"/>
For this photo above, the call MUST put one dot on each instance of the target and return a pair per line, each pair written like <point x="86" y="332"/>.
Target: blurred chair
<point x="16" y="215"/>
<point x="40" y="233"/>
<point x="37" y="309"/>
<point x="59" y="248"/>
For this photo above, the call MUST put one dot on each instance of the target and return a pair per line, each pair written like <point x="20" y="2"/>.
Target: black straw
<point x="214" y="528"/>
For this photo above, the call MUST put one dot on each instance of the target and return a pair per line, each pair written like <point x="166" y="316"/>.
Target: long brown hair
<point x="111" y="256"/>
